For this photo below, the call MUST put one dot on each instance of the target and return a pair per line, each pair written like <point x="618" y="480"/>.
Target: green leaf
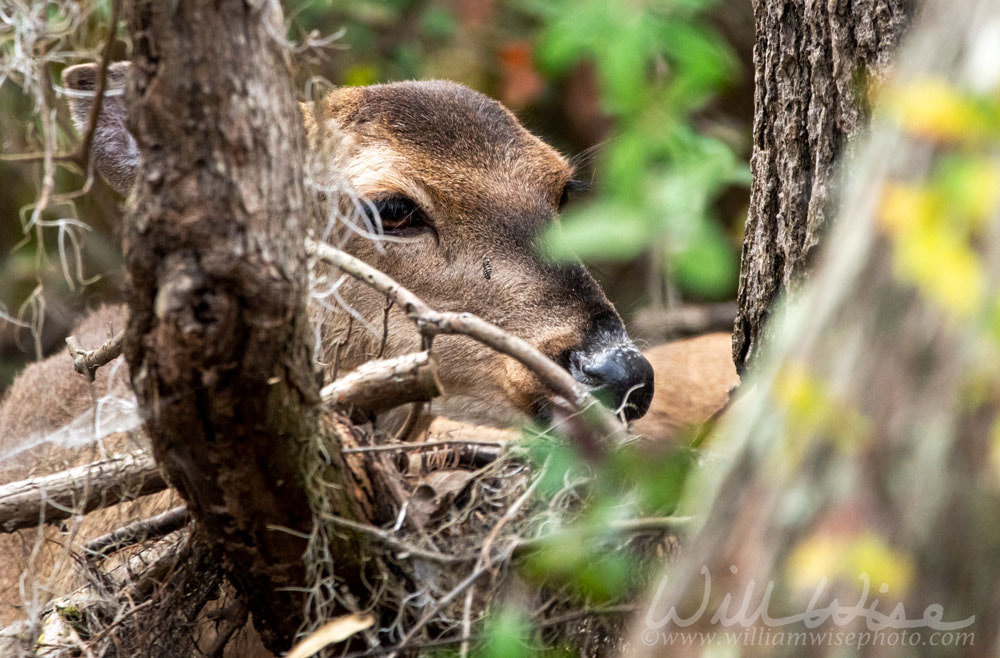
<point x="707" y="267"/>
<point x="604" y="577"/>
<point x="626" y="158"/>
<point x="603" y="230"/>
<point x="438" y="22"/>
<point x="506" y="634"/>
<point x="623" y="75"/>
<point x="570" y="36"/>
<point x="703" y="62"/>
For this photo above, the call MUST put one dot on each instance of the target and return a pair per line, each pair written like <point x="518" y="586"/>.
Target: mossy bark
<point x="218" y="341"/>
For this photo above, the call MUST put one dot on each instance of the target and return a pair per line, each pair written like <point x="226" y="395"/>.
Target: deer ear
<point x="114" y="150"/>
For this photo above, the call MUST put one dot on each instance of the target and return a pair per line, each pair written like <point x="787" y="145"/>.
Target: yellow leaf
<point x="846" y="559"/>
<point x="329" y="633"/>
<point x="934" y="109"/>
<point x="869" y="554"/>
<point x="932" y="250"/>
<point x="943" y="266"/>
<point x="814" y="559"/>
<point x="813" y="410"/>
<point x="903" y="206"/>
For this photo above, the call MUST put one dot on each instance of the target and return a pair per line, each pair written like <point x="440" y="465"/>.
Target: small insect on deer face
<point x="462" y="191"/>
<point x="456" y="192"/>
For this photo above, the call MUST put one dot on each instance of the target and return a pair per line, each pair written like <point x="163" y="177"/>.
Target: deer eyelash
<point x="571" y="187"/>
<point x="399" y="215"/>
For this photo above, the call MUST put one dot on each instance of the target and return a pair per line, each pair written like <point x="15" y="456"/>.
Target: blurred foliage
<point x="825" y="557"/>
<point x="598" y="557"/>
<point x="658" y="64"/>
<point x="937" y="224"/>
<point x="507" y="634"/>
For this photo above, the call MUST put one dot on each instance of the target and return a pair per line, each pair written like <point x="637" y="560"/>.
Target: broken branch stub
<point x="378" y="386"/>
<point x="86" y="362"/>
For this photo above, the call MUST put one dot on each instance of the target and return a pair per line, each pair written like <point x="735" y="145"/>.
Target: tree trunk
<point x="814" y="63"/>
<point x="865" y="446"/>
<point x="218" y="339"/>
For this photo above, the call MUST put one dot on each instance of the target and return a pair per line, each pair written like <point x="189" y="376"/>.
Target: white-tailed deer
<point x="458" y="192"/>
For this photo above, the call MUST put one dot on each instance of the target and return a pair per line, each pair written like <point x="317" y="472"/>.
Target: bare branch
<point x="430" y="322"/>
<point x="83" y="153"/>
<point x="344" y="392"/>
<point x="86" y="362"/>
<point x="78" y="490"/>
<point x="427" y="445"/>
<point x="139" y="531"/>
<point x="377" y="386"/>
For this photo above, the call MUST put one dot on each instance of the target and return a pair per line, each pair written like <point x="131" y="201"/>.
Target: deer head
<point x="455" y="194"/>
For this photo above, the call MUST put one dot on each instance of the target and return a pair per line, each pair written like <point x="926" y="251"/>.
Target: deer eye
<point x="399" y="216"/>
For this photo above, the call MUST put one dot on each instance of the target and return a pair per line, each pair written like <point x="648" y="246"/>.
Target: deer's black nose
<point x="619" y="376"/>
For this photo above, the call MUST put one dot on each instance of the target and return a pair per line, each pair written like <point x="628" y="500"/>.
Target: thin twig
<point x="83" y="152"/>
<point x="517" y="547"/>
<point x="424" y="446"/>
<point x="476" y="574"/>
<point x="385" y="537"/>
<point x="511" y="512"/>
<point x="463" y="649"/>
<point x="340" y="344"/>
<point x="138" y="531"/>
<point x="385" y="326"/>
<point x="545" y="623"/>
<point x="430" y="322"/>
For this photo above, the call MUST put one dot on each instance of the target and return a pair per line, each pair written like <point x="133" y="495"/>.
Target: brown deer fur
<point x="693" y="380"/>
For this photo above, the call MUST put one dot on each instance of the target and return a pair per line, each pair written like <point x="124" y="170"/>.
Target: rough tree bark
<point x="866" y="443"/>
<point x="813" y="62"/>
<point x="218" y="339"/>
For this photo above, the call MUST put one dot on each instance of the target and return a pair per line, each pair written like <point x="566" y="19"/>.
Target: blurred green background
<point x="652" y="99"/>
